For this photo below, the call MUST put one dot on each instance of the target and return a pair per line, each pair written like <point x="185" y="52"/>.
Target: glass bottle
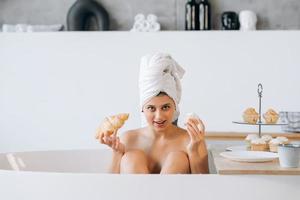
<point x="204" y="15"/>
<point x="190" y="15"/>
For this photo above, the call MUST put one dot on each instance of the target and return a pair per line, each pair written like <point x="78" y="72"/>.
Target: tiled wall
<point x="272" y="14"/>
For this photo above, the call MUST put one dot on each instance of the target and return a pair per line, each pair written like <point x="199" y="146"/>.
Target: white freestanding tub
<point x="80" y="174"/>
<point x="65" y="161"/>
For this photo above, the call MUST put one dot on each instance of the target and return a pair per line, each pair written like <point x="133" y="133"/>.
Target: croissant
<point x="111" y="124"/>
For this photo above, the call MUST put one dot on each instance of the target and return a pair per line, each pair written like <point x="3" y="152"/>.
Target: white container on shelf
<point x="289" y="155"/>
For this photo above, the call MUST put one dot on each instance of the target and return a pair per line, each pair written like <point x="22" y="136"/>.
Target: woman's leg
<point x="177" y="162"/>
<point x="134" y="162"/>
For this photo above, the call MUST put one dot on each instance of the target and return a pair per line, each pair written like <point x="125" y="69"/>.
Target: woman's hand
<point x="196" y="131"/>
<point x="112" y="141"/>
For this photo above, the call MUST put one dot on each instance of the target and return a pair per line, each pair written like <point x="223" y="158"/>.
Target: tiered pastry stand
<point x="259" y="123"/>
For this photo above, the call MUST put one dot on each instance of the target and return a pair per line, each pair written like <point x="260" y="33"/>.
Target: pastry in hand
<point x="195" y="117"/>
<point x="111" y="124"/>
<point x="250" y="116"/>
<point x="271" y="116"/>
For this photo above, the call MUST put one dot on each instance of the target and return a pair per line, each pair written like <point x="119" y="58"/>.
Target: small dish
<point x="249" y="156"/>
<point x="237" y="148"/>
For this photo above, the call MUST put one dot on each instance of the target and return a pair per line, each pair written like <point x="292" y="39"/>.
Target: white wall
<point x="56" y="87"/>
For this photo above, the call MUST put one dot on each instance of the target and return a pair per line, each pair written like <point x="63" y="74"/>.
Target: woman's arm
<point x="119" y="146"/>
<point x="199" y="159"/>
<point x="115" y="162"/>
<point x="118" y="149"/>
<point x="196" y="149"/>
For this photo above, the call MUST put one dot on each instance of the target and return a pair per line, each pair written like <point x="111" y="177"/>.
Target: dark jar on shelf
<point x="230" y="21"/>
<point x="190" y="15"/>
<point x="204" y="15"/>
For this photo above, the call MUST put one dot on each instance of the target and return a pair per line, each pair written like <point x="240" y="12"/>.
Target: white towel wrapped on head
<point x="160" y="73"/>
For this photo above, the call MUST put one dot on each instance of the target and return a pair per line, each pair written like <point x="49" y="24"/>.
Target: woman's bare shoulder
<point x="182" y="134"/>
<point x="182" y="131"/>
<point x="131" y="134"/>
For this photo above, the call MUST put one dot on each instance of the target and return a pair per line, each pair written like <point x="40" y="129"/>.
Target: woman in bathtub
<point x="160" y="146"/>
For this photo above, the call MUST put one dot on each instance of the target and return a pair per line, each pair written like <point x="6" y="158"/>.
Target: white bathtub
<point x="79" y="174"/>
<point x="66" y="161"/>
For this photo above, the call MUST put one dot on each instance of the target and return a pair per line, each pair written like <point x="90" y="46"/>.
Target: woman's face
<point x="159" y="112"/>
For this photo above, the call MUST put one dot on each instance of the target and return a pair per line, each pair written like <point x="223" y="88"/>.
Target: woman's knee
<point x="133" y="155"/>
<point x="134" y="161"/>
<point x="176" y="162"/>
<point x="178" y="156"/>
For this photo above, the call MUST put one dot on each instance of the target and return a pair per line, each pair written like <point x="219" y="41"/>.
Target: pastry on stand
<point x="271" y="116"/>
<point x="250" y="116"/>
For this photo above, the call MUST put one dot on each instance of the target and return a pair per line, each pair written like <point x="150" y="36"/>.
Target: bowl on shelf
<point x="292" y="119"/>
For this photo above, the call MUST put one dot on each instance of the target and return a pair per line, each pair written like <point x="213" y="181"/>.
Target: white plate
<point x="249" y="156"/>
<point x="237" y="148"/>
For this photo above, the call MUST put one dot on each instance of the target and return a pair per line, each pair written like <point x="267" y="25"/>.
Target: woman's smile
<point x="160" y="123"/>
